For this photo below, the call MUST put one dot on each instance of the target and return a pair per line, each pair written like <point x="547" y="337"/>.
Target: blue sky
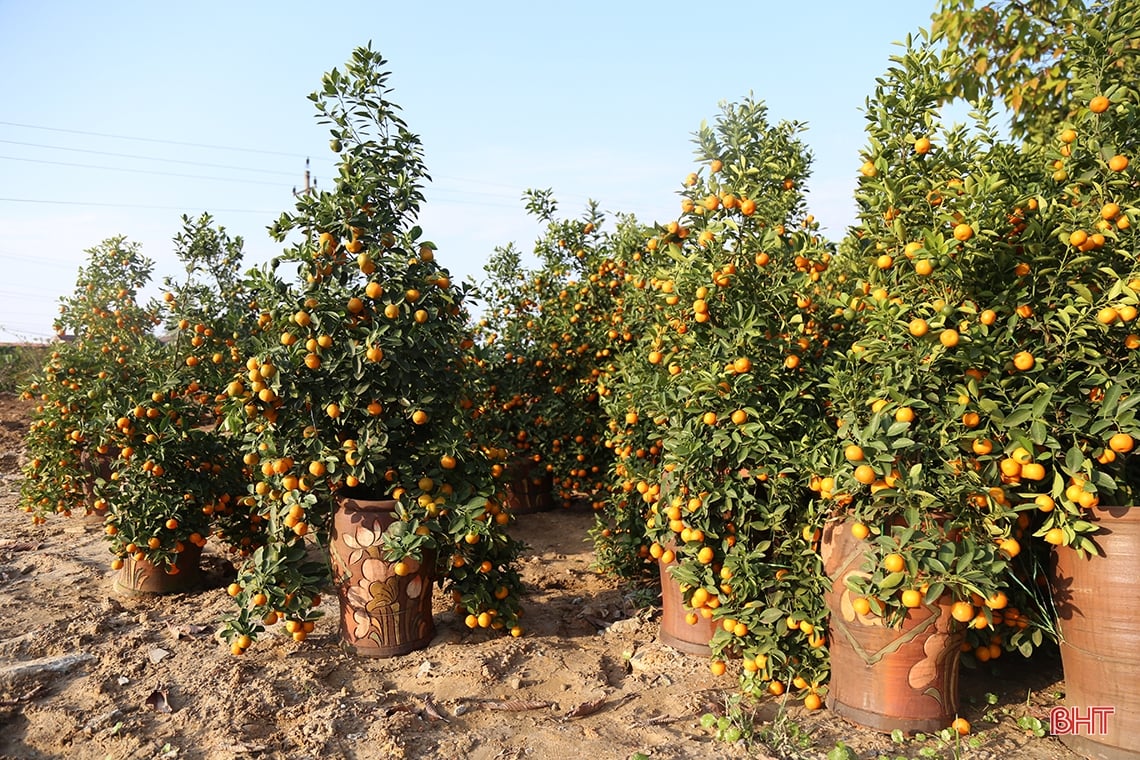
<point x="119" y="117"/>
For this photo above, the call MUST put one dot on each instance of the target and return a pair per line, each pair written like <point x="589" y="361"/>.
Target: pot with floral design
<point x="885" y="677"/>
<point x="385" y="609"/>
<point x="1099" y="639"/>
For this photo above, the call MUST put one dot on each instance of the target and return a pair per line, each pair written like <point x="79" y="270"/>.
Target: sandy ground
<point x="88" y="673"/>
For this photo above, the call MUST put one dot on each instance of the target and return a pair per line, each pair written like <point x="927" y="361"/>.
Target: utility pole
<point x="307" y="190"/>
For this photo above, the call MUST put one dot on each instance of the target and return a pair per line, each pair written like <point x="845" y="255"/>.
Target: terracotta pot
<point x="142" y="577"/>
<point x="530" y="488"/>
<point x="1100" y="637"/>
<point x="881" y="677"/>
<point x="381" y="614"/>
<point x="675" y="630"/>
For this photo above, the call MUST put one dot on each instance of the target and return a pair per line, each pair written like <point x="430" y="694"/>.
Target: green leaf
<point x="841" y="752"/>
<point x="1082" y="291"/>
<point x="1074" y="460"/>
<point x="1018" y="416"/>
<point x="892" y="581"/>
<point x="1111" y="399"/>
<point x="771" y="615"/>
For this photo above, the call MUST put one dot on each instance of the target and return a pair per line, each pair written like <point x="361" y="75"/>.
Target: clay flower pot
<point x="142" y="577"/>
<point x="382" y="614"/>
<point x="1100" y="637"/>
<point x="675" y="630"/>
<point x="882" y="677"/>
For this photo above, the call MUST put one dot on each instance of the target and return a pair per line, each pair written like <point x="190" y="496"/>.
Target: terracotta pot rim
<point x="364" y="499"/>
<point x="368" y="505"/>
<point x="1113" y="508"/>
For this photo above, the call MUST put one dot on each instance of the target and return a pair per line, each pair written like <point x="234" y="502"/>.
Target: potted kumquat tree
<point x="102" y="328"/>
<point x="720" y="390"/>
<point x="178" y="476"/>
<point x="923" y="532"/>
<point x="351" y="405"/>
<point x="554" y="334"/>
<point x="166" y="478"/>
<point x="578" y="333"/>
<point x="1067" y="308"/>
<point x="513" y="387"/>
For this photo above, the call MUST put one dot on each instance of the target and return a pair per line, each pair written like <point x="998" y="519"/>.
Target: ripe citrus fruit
<point x="911" y="598"/>
<point x="998" y="601"/>
<point x="963" y="612"/>
<point x="1121" y="443"/>
<point x="894" y="563"/>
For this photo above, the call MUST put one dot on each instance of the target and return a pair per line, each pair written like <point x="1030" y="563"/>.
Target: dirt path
<point x="85" y="673"/>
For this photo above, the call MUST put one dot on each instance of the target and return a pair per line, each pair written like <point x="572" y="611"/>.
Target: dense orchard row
<point x="948" y="383"/>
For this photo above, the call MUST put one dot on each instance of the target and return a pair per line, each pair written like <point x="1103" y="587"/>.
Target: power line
<point x="135" y="205"/>
<point x="139" y="171"/>
<point x="275" y="212"/>
<point x="36" y="260"/>
<point x="466" y="202"/>
<point x="149" y="158"/>
<point x="434" y="188"/>
<point x="25" y="329"/>
<point x="151" y="140"/>
<point x="467" y="180"/>
<point x="514" y="203"/>
<point x="15" y="293"/>
<point x="441" y="201"/>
